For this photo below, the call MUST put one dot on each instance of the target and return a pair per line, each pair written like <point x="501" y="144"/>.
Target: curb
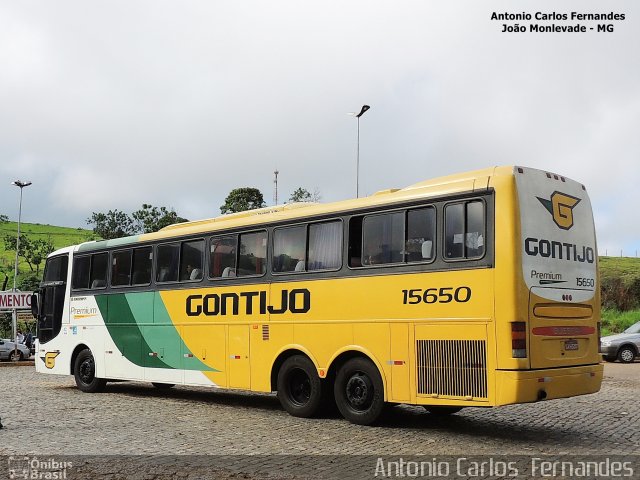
<point x="24" y="363"/>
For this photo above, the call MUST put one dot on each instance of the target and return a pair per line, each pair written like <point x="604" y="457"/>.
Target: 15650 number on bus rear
<point x="436" y="295"/>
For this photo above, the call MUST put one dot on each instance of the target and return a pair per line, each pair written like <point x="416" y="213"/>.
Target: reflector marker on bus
<point x="568" y="331"/>
<point x="395" y="362"/>
<point x="188" y="355"/>
<point x="235" y="357"/>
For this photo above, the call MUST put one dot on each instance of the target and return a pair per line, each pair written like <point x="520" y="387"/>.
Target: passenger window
<point x="121" y="268"/>
<point x="99" y="268"/>
<point x="222" y="258"/>
<point x="325" y="246"/>
<point x="167" y="263"/>
<point x="81" y="272"/>
<point x="192" y="260"/>
<point x="253" y="254"/>
<point x="421" y="234"/>
<point x="289" y="245"/>
<point x="464" y="230"/>
<point x="383" y="239"/>
<point x="142" y="261"/>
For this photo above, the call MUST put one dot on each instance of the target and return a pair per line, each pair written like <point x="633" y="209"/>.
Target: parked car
<point x="8" y="349"/>
<point x="623" y="346"/>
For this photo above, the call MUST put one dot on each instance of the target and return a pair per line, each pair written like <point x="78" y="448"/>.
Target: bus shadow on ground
<point x="491" y="424"/>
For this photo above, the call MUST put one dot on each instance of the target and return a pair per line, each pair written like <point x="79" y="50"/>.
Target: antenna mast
<point x="275" y="187"/>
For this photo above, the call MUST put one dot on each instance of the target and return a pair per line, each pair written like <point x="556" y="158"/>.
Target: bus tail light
<point x="519" y="339"/>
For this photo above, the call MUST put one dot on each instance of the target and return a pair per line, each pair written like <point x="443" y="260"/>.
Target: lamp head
<point x="20" y="183"/>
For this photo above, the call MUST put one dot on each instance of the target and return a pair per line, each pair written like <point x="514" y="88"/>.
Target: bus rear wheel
<point x="359" y="391"/>
<point x="299" y="387"/>
<point x="85" y="373"/>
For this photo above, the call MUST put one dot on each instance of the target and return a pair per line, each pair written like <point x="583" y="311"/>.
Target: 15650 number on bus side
<point x="436" y="295"/>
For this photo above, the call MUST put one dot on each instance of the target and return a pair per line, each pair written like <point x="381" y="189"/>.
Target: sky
<point x="112" y="104"/>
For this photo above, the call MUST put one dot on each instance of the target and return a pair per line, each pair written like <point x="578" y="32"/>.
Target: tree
<point x="4" y="219"/>
<point x="116" y="224"/>
<point x="241" y="199"/>
<point x="151" y="219"/>
<point x="113" y="224"/>
<point x="34" y="252"/>
<point x="303" y="195"/>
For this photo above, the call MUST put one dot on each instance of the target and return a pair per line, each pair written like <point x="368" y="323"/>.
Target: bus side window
<point x="474" y="240"/>
<point x="99" y="267"/>
<point x="191" y="260"/>
<point x="81" y="272"/>
<point x="167" y="263"/>
<point x="253" y="254"/>
<point x="421" y="232"/>
<point x="289" y="245"/>
<point x="383" y="239"/>
<point x="222" y="257"/>
<point x="141" y="269"/>
<point x="325" y="246"/>
<point x="121" y="268"/>
<point x="355" y="242"/>
<point x="464" y="230"/>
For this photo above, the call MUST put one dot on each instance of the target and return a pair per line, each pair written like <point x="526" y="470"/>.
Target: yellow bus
<point x="473" y="290"/>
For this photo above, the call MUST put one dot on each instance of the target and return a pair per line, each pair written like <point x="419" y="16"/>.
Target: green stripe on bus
<point x="143" y="332"/>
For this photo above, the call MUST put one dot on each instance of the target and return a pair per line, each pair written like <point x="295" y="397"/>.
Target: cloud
<point x="112" y="105"/>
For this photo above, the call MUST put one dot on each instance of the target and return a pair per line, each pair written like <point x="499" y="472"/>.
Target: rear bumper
<point x="522" y="386"/>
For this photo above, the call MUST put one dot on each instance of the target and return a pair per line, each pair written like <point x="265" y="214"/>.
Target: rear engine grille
<point x="452" y="368"/>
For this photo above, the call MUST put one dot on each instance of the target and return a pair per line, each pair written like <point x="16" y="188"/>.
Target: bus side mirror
<point x="35" y="311"/>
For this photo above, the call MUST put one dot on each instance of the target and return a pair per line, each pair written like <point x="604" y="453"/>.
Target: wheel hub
<point x="86" y="371"/>
<point x="359" y="390"/>
<point x="299" y="387"/>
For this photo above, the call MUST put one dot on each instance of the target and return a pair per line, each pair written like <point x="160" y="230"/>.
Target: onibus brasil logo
<point x="560" y="206"/>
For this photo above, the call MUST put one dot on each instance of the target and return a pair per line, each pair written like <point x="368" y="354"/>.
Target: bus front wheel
<point x="359" y="391"/>
<point x="299" y="387"/>
<point x="85" y="373"/>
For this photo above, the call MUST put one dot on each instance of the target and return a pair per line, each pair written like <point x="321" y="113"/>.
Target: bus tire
<point x="359" y="391"/>
<point x="85" y="373"/>
<point x="441" y="410"/>
<point x="299" y="387"/>
<point x="163" y="386"/>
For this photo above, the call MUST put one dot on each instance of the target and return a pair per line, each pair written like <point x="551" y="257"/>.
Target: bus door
<point x="52" y="296"/>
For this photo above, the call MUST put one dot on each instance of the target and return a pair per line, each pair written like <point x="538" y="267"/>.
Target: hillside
<point x="60" y="236"/>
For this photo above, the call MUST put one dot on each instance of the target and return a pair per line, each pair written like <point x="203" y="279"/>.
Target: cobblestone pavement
<point x="47" y="415"/>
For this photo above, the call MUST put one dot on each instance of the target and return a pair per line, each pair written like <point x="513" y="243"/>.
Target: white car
<point x="624" y="346"/>
<point x="8" y="351"/>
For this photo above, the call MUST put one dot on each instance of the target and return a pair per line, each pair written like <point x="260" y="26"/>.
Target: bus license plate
<point x="571" y="344"/>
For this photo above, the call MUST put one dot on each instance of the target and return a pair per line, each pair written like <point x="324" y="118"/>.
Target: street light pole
<point x="358" y="115"/>
<point x="21" y="184"/>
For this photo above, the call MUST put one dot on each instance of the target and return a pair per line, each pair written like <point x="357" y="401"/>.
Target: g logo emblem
<point x="49" y="359"/>
<point x="560" y="206"/>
